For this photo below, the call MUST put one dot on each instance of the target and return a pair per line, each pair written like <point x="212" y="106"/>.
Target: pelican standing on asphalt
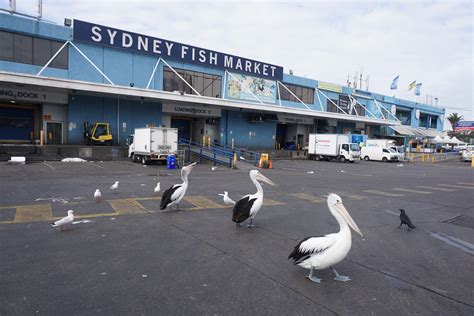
<point x="326" y="251"/>
<point x="226" y="198"/>
<point x="175" y="193"/>
<point x="249" y="205"/>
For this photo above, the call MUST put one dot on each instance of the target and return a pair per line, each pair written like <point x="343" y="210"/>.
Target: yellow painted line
<point x="32" y="213"/>
<point x="95" y="215"/>
<point x="126" y="206"/>
<point x="354" y="196"/>
<point x="308" y="197"/>
<point x="456" y="186"/>
<point x="383" y="193"/>
<point x="148" y="198"/>
<point x="201" y="202"/>
<point x="466" y="183"/>
<point x="270" y="202"/>
<point x="412" y="191"/>
<point x="434" y="188"/>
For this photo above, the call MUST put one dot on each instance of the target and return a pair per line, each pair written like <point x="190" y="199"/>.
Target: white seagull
<point x="65" y="221"/>
<point x="157" y="188"/>
<point x="114" y="186"/>
<point x="324" y="252"/>
<point x="175" y="193"/>
<point x="249" y="205"/>
<point x="227" y="199"/>
<point x="97" y="196"/>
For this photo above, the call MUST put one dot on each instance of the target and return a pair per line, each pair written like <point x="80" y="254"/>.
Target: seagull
<point x="175" y="193"/>
<point x="400" y="165"/>
<point x="213" y="168"/>
<point x="65" y="221"/>
<point x="343" y="171"/>
<point x="404" y="219"/>
<point x="97" y="196"/>
<point x="114" y="186"/>
<point x="310" y="172"/>
<point x="227" y="199"/>
<point x="249" y="205"/>
<point x="326" y="251"/>
<point x="157" y="188"/>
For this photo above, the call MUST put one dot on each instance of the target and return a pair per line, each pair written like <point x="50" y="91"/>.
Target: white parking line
<point x="456" y="186"/>
<point x="382" y="193"/>
<point x="411" y="190"/>
<point x="433" y="188"/>
<point x="47" y="164"/>
<point x="391" y="212"/>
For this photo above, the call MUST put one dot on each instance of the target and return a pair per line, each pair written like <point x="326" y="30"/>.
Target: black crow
<point x="404" y="219"/>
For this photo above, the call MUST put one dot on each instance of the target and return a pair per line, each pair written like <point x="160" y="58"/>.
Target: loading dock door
<point x="54" y="132"/>
<point x="16" y="123"/>
<point x="183" y="126"/>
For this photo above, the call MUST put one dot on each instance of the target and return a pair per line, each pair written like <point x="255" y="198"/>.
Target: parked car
<point x="466" y="155"/>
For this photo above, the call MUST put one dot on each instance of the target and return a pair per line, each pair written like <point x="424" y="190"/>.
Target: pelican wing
<point x="310" y="246"/>
<point x="169" y="196"/>
<point x="242" y="209"/>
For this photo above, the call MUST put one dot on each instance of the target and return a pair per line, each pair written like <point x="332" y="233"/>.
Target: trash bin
<point x="171" y="162"/>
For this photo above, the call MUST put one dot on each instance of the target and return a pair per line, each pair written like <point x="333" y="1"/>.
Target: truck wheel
<point x="351" y="161"/>
<point x="366" y="158"/>
<point x="134" y="159"/>
<point x="384" y="159"/>
<point x="342" y="159"/>
<point x="144" y="160"/>
<point x="317" y="157"/>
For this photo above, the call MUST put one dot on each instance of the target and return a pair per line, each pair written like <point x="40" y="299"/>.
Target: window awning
<point x="416" y="132"/>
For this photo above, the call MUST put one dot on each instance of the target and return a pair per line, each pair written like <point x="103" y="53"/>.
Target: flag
<point x="411" y="85"/>
<point x="418" y="88"/>
<point x="394" y="84"/>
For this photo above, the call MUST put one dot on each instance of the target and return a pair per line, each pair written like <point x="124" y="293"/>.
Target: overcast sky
<point x="427" y="41"/>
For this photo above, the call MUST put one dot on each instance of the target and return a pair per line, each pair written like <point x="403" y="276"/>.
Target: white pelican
<point x="175" y="193"/>
<point x="324" y="252"/>
<point x="227" y="199"/>
<point x="65" y="221"/>
<point x="249" y="205"/>
<point x="114" y="186"/>
<point x="97" y="195"/>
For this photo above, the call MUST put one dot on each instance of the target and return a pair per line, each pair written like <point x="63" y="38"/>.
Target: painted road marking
<point x="270" y="202"/>
<point x="411" y="190"/>
<point x="201" y="202"/>
<point x="32" y="213"/>
<point x="392" y="212"/>
<point x="383" y="193"/>
<point x="126" y="206"/>
<point x="47" y="164"/>
<point x="308" y="197"/>
<point x="354" y="196"/>
<point x="466" y="183"/>
<point x="456" y="186"/>
<point x="434" y="188"/>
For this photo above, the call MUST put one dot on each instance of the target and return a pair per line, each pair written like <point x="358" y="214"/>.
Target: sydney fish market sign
<point x="107" y="36"/>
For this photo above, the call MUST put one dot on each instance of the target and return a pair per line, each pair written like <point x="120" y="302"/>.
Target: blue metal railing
<point x="245" y="155"/>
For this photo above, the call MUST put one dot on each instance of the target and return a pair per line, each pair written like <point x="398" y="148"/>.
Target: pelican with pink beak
<point x="326" y="251"/>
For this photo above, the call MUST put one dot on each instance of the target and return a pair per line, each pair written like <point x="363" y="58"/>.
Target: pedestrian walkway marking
<point x="270" y="202"/>
<point x="456" y="186"/>
<point x="126" y="206"/>
<point x="354" y="196"/>
<point x="383" y="193"/>
<point x="201" y="202"/>
<point x="466" y="183"/>
<point x="308" y="197"/>
<point x="434" y="188"/>
<point x="412" y="190"/>
<point x="31" y="213"/>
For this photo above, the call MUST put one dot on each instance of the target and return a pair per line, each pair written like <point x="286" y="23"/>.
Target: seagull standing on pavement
<point x="114" y="186"/>
<point x="97" y="196"/>
<point x="157" y="188"/>
<point x="227" y="199"/>
<point x="65" y="221"/>
<point x="404" y="219"/>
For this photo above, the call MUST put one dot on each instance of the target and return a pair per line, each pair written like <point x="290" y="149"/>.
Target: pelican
<point x="249" y="205"/>
<point x="65" y="221"/>
<point x="227" y="199"/>
<point x="175" y="193"/>
<point x="324" y="252"/>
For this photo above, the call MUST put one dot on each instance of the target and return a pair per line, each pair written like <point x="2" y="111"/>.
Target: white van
<point x="378" y="153"/>
<point x="399" y="150"/>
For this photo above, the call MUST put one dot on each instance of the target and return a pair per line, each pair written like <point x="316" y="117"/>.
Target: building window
<point x="404" y="117"/>
<point x="423" y="122"/>
<point x="206" y="84"/>
<point x="26" y="49"/>
<point x="433" y="121"/>
<point x="304" y="94"/>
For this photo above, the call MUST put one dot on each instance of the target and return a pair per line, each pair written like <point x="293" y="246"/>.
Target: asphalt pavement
<point x="125" y="256"/>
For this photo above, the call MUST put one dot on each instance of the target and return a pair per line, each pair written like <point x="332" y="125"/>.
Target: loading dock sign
<point x="192" y="110"/>
<point x="32" y="96"/>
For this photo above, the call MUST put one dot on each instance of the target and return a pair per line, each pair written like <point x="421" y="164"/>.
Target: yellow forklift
<point x="99" y="134"/>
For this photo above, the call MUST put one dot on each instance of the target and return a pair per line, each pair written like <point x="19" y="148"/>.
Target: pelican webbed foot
<point x="340" y="278"/>
<point x="313" y="278"/>
<point x="251" y="225"/>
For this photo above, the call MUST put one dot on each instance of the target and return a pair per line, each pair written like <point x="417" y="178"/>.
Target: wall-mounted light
<point x="67" y="22"/>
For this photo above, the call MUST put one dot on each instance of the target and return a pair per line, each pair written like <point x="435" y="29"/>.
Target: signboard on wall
<point x="295" y="119"/>
<point x="329" y="87"/>
<point x="465" y="126"/>
<point x="107" y="36"/>
<point x="192" y="110"/>
<point x="239" y="87"/>
<point x="344" y="102"/>
<point x="32" y="96"/>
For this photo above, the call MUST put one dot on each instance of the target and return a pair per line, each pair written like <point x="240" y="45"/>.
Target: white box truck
<point x="333" y="146"/>
<point x="153" y="144"/>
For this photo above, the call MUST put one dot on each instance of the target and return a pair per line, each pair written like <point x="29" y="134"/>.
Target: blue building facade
<point x="225" y="98"/>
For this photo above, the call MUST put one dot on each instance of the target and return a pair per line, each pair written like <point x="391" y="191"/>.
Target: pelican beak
<point x="345" y="214"/>
<point x="261" y="177"/>
<point x="193" y="164"/>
